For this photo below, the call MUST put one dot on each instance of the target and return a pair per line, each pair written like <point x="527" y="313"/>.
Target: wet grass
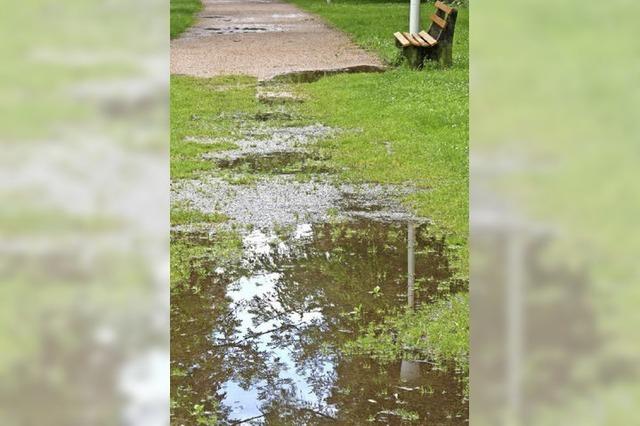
<point x="378" y="144"/>
<point x="193" y="258"/>
<point x="203" y="108"/>
<point x="415" y="128"/>
<point x="415" y="124"/>
<point x="182" y="15"/>
<point x="435" y="332"/>
<point x="183" y="216"/>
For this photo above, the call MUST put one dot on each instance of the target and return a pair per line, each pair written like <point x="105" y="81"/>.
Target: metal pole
<point x="414" y="16"/>
<point x="411" y="264"/>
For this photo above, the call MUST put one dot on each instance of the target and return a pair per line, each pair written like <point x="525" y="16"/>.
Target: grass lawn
<point x="182" y="15"/>
<point x="420" y="116"/>
<point x="371" y="24"/>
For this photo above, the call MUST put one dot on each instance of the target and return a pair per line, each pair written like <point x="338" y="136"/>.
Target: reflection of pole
<point x="409" y="371"/>
<point x="411" y="264"/>
<point x="515" y="326"/>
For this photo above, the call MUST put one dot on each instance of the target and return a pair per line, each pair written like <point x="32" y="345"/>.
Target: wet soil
<point x="264" y="339"/>
<point x="277" y="163"/>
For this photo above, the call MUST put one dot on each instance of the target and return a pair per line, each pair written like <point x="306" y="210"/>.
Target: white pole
<point x="414" y="16"/>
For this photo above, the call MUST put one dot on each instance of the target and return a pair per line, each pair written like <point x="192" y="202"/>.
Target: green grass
<point x="410" y="127"/>
<point x="438" y="332"/>
<point x="204" y="109"/>
<point x="421" y="116"/>
<point x="371" y="24"/>
<point x="191" y="260"/>
<point x="182" y="15"/>
<point x="181" y="216"/>
<point x="414" y="128"/>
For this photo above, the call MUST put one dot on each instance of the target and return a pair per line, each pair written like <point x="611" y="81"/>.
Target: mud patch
<point x="241" y="29"/>
<point x="263" y="340"/>
<point x="284" y="163"/>
<point x="273" y="115"/>
<point x="310" y="76"/>
<point x="226" y="26"/>
<point x="275" y="98"/>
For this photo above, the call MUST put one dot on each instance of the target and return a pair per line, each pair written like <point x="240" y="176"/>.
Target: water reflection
<point x="411" y="263"/>
<point x="263" y="342"/>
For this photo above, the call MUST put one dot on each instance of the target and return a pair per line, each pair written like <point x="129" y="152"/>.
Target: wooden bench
<point x="436" y="43"/>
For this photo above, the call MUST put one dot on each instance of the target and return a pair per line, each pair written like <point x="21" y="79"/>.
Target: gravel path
<point x="263" y="38"/>
<point x="284" y="201"/>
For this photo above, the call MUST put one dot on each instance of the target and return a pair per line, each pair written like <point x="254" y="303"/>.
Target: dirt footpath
<point x="263" y="38"/>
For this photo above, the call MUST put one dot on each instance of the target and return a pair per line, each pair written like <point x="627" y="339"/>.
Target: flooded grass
<point x="265" y="338"/>
<point x="291" y="309"/>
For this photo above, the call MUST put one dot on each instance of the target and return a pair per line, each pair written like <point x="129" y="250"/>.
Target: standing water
<point x="262" y="343"/>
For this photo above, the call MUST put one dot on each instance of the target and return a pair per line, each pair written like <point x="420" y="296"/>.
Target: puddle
<point x="263" y="342"/>
<point x="242" y="29"/>
<point x="283" y="163"/>
<point x="287" y="15"/>
<point x="311" y="76"/>
<point x="228" y="26"/>
<point x="273" y="115"/>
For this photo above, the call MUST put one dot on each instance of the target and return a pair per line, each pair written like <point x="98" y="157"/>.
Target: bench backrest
<point x="443" y="21"/>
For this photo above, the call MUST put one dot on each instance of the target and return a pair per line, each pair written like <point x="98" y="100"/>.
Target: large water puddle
<point x="261" y="344"/>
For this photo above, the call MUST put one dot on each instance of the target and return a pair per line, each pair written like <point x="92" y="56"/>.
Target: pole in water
<point x="411" y="264"/>
<point x="414" y="16"/>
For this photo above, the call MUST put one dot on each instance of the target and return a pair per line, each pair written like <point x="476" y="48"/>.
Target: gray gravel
<point x="269" y="140"/>
<point x="283" y="201"/>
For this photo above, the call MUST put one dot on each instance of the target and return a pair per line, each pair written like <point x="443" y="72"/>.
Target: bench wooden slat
<point x="428" y="38"/>
<point x="423" y="43"/>
<point x="402" y="39"/>
<point x="426" y="43"/>
<point x="443" y="7"/>
<point x="412" y="40"/>
<point x="439" y="21"/>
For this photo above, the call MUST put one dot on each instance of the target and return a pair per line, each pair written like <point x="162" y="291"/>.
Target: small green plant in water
<point x="376" y="292"/>
<point x="203" y="417"/>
